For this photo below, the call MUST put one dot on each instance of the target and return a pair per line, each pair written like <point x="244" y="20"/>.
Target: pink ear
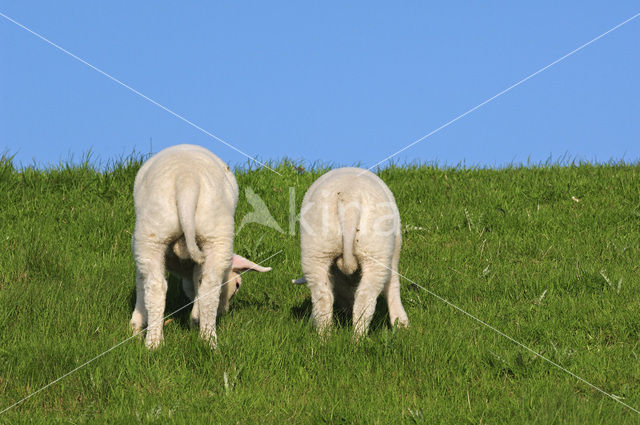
<point x="240" y="264"/>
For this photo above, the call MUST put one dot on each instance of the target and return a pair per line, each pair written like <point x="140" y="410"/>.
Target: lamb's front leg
<point x="194" y="285"/>
<point x="214" y="269"/>
<point x="139" y="316"/>
<point x="189" y="288"/>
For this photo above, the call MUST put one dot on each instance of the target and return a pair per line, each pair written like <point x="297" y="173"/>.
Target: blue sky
<point x="338" y="82"/>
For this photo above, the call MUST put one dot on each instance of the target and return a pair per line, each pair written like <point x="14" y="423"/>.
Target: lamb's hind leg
<point x="374" y="277"/>
<point x="150" y="264"/>
<point x="397" y="315"/>
<point x="322" y="296"/>
<point x="215" y="269"/>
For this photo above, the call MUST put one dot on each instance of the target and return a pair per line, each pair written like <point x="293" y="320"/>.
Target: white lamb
<point x="185" y="198"/>
<point x="350" y="228"/>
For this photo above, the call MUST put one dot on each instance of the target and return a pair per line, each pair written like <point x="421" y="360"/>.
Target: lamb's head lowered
<point x="239" y="265"/>
<point x="231" y="285"/>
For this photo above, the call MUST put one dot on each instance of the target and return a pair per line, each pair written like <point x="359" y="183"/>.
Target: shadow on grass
<point x="343" y="316"/>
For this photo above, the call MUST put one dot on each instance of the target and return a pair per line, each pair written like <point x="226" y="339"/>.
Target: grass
<point x="549" y="255"/>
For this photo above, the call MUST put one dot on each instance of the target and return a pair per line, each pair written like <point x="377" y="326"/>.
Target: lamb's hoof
<point x="195" y="314"/>
<point x="137" y="323"/>
<point x="400" y="323"/>
<point x="209" y="336"/>
<point x="194" y="321"/>
<point x="136" y="329"/>
<point x="359" y="336"/>
<point x="153" y="340"/>
<point x="324" y="332"/>
<point x="223" y="309"/>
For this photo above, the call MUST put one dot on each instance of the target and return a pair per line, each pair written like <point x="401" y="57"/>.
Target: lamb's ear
<point x="240" y="264"/>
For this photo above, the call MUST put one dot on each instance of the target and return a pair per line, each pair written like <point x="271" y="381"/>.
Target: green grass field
<point x="548" y="255"/>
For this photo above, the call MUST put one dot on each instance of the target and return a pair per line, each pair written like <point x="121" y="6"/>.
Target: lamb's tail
<point x="187" y="192"/>
<point x="349" y="221"/>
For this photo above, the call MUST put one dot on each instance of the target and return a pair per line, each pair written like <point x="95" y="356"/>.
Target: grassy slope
<point x="491" y="242"/>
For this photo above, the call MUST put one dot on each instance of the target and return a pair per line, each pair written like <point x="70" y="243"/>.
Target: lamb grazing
<point x="185" y="199"/>
<point x="179" y="262"/>
<point x="350" y="231"/>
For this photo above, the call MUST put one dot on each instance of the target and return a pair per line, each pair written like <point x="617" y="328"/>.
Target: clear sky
<point x="338" y="82"/>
